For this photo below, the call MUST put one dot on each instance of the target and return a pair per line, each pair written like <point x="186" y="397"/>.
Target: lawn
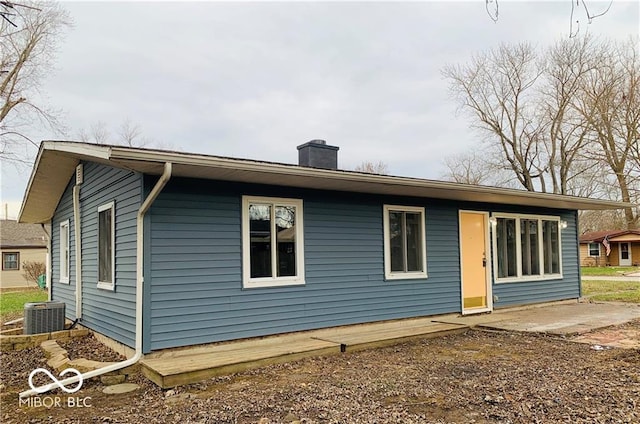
<point x="12" y="302"/>
<point x="612" y="271"/>
<point x="619" y="291"/>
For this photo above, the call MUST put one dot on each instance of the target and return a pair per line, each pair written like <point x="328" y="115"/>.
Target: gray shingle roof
<point x="13" y="235"/>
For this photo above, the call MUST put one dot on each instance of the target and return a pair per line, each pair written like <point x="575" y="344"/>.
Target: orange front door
<point x="473" y="261"/>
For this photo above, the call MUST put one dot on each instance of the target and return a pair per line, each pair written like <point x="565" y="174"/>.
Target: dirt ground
<point x="474" y="377"/>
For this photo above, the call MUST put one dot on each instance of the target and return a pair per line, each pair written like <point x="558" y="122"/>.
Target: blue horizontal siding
<point x="64" y="292"/>
<point x="196" y="294"/>
<point x="193" y="263"/>
<point x="108" y="312"/>
<point x="194" y="266"/>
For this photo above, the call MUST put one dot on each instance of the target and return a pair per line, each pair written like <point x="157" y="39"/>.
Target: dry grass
<point x="618" y="291"/>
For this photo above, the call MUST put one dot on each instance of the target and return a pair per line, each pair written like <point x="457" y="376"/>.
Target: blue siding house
<point x="158" y="249"/>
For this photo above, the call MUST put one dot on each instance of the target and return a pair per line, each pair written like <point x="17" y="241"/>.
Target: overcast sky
<point x="254" y="80"/>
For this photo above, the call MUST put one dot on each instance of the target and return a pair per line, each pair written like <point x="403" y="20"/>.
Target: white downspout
<point x="48" y="258"/>
<point x="164" y="178"/>
<point x="77" y="230"/>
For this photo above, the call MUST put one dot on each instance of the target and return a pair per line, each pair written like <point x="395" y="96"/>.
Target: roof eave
<point x="53" y="166"/>
<point x="355" y="181"/>
<point x="56" y="162"/>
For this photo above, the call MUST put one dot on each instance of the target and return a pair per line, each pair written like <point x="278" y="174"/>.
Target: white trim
<point x="274" y="281"/>
<point x="64" y="279"/>
<point x="629" y="261"/>
<point x="388" y="274"/>
<point x="488" y="267"/>
<point x="589" y="250"/>
<point x="519" y="277"/>
<point x="49" y="258"/>
<point x="77" y="230"/>
<point x="108" y="285"/>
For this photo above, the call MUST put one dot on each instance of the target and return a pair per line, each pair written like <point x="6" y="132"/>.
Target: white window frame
<point x="274" y="281"/>
<point x="589" y="250"/>
<point x="64" y="262"/>
<point x="108" y="285"/>
<point x="388" y="274"/>
<point x="519" y="277"/>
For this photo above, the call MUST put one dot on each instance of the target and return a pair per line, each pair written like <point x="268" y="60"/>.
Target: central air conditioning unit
<point x="43" y="317"/>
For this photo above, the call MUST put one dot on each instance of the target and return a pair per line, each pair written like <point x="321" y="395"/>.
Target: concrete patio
<point x="567" y="319"/>
<point x="562" y="319"/>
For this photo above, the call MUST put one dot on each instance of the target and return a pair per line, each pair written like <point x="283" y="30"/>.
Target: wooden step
<point x="191" y="365"/>
<point x="186" y="369"/>
<point x="357" y="340"/>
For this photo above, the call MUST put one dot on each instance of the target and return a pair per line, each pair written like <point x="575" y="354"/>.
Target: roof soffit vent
<point x="79" y="174"/>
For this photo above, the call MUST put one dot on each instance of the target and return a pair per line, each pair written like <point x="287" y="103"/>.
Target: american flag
<point x="607" y="245"/>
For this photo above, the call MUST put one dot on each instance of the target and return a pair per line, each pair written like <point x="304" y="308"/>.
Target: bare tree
<point x="497" y="88"/>
<point x="567" y="63"/>
<point x="131" y="134"/>
<point x="28" y="44"/>
<point x="32" y="270"/>
<point x="99" y="133"/>
<point x="467" y="168"/>
<point x="600" y="220"/>
<point x="569" y="115"/>
<point x="610" y="102"/>
<point x="373" y="167"/>
<point x="478" y="168"/>
<point x="128" y="133"/>
<point x="492" y="8"/>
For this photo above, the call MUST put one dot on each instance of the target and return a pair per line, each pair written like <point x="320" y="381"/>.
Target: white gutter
<point x="164" y="178"/>
<point x="77" y="230"/>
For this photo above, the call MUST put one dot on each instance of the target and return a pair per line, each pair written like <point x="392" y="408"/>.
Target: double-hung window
<point x="594" y="250"/>
<point x="64" y="252"/>
<point x="272" y="242"/>
<point x="526" y="247"/>
<point x="106" y="246"/>
<point x="11" y="261"/>
<point x="404" y="242"/>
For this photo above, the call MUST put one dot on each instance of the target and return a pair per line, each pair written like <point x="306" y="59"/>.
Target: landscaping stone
<point x="120" y="388"/>
<point x="59" y="362"/>
<point x="111" y="380"/>
<point x="86" y="365"/>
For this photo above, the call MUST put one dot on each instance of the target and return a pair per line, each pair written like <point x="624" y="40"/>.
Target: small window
<point x="404" y="242"/>
<point x="106" y="246"/>
<point x="64" y="252"/>
<point x="11" y="261"/>
<point x="594" y="249"/>
<point x="273" y="247"/>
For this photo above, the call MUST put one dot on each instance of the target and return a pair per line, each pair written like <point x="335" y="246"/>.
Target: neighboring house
<point x="160" y="249"/>
<point x="624" y="248"/>
<point x="20" y="243"/>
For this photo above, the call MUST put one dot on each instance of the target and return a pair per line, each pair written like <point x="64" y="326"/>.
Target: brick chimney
<point x="317" y="154"/>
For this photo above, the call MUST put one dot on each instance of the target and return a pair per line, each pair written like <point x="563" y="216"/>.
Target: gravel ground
<point x="474" y="377"/>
